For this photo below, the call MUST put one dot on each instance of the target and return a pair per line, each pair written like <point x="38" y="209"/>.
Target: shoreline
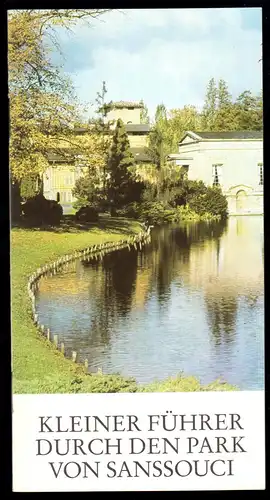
<point x="39" y="366"/>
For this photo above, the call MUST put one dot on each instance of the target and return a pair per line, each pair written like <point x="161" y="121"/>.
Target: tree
<point x="225" y="116"/>
<point x="43" y="107"/>
<point x="30" y="186"/>
<point x="144" y="115"/>
<point x="179" y="122"/>
<point x="161" y="114"/>
<point x="224" y="98"/>
<point x="210" y="106"/>
<point x="120" y="160"/>
<point x="102" y="127"/>
<point x="250" y="111"/>
<point x="159" y="138"/>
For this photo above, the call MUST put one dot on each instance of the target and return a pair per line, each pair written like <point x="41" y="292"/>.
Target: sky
<point x="164" y="55"/>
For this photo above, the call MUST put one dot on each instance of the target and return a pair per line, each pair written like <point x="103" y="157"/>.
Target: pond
<point x="190" y="301"/>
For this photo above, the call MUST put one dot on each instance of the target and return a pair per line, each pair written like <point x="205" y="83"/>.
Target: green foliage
<point x="181" y="383"/>
<point x="210" y="106"/>
<point x="190" y="200"/>
<point x="249" y="110"/>
<point x="38" y="211"/>
<point x="87" y="214"/>
<point x="85" y="190"/>
<point x="144" y="115"/>
<point x="224" y="98"/>
<point x="187" y="190"/>
<point x="180" y="121"/>
<point x="120" y="160"/>
<point x="29" y="187"/>
<point x="212" y="202"/>
<point x="160" y="140"/>
<point x="156" y="213"/>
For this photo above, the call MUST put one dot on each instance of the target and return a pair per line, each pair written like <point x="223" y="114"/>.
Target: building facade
<point x="231" y="160"/>
<point x="59" y="179"/>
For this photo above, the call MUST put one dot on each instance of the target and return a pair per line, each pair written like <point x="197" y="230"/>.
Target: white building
<point x="232" y="160"/>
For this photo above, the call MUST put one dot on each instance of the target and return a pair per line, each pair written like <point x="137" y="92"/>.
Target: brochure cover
<point x="137" y="249"/>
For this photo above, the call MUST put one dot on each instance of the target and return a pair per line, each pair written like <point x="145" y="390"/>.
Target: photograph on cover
<point x="136" y="184"/>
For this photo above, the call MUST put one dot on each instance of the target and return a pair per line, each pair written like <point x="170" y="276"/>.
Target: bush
<point x="87" y="214"/>
<point x="28" y="187"/>
<point x="156" y="213"/>
<point x="132" y="211"/>
<point x="39" y="211"/>
<point x="212" y="202"/>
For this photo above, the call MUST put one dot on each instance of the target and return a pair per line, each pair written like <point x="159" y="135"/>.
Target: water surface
<point x="191" y="301"/>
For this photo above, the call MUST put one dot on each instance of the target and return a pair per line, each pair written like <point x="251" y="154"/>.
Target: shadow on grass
<point x="70" y="225"/>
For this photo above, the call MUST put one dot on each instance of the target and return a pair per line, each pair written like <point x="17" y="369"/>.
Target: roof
<point x="130" y="127"/>
<point x="137" y="127"/>
<point x="221" y="136"/>
<point x="127" y="104"/>
<point x="82" y="130"/>
<point x="140" y="154"/>
<point x="66" y="157"/>
<point x="244" y="134"/>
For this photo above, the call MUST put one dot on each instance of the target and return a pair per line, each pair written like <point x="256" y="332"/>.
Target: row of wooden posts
<point x="49" y="269"/>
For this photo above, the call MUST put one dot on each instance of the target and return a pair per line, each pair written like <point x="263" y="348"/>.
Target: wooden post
<point x="35" y="319"/>
<point x="55" y="340"/>
<point x="42" y="328"/>
<point x="86" y="365"/>
<point x="74" y="356"/>
<point x="62" y="348"/>
<point x="48" y="334"/>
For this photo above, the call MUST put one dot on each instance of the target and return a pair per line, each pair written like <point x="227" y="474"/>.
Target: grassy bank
<point x="37" y="366"/>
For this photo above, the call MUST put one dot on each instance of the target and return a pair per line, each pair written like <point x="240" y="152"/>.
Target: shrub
<point x="28" y="187"/>
<point x="156" y="212"/>
<point x="87" y="214"/>
<point x="39" y="211"/>
<point x="212" y="202"/>
<point x="132" y="211"/>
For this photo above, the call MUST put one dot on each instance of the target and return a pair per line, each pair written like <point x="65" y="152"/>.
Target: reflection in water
<point x="190" y="301"/>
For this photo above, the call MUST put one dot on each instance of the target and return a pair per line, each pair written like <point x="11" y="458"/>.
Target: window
<point x="69" y="179"/>
<point x="260" y="165"/>
<point x="216" y="174"/>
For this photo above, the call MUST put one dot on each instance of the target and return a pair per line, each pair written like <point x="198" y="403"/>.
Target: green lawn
<point x="36" y="364"/>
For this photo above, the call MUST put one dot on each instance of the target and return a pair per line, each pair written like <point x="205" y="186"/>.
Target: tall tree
<point x="224" y="98"/>
<point x="250" y="111"/>
<point x="144" y="114"/>
<point x="180" y="121"/>
<point x="102" y="127"/>
<point x="159" y="138"/>
<point x="225" y="116"/>
<point x="43" y="107"/>
<point x="210" y="106"/>
<point x="161" y="114"/>
<point x="120" y="161"/>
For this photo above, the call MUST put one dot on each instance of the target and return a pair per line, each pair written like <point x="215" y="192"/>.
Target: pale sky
<point x="165" y="55"/>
